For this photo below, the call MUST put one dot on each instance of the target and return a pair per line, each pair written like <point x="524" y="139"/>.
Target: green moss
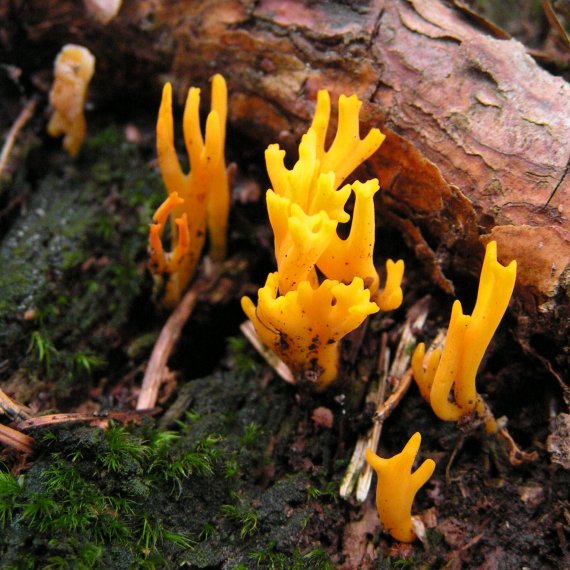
<point x="329" y="491"/>
<point x="241" y="356"/>
<point x="74" y="262"/>
<point x="10" y="490"/>
<point x="241" y="513"/>
<point x="142" y="497"/>
<point x="251" y="433"/>
<point x="92" y="499"/>
<point x="273" y="559"/>
<point x="393" y="563"/>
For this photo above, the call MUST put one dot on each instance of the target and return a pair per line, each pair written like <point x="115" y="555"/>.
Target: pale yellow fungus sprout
<point x="397" y="486"/>
<point x="467" y="339"/>
<point x="391" y="296"/>
<point x="103" y="10"/>
<point x="203" y="196"/>
<point x="73" y="69"/>
<point x="305" y="325"/>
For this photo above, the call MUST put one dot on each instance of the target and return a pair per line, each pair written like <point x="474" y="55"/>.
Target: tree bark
<point x="478" y="135"/>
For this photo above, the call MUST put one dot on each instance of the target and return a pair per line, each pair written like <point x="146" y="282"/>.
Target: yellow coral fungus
<point x="345" y="258"/>
<point x="305" y="184"/>
<point x="397" y="487"/>
<point x="300" y="240"/>
<point x="467" y="340"/>
<point x="312" y="184"/>
<point x="302" y="184"/>
<point x="305" y="325"/>
<point x="203" y="192"/>
<point x="172" y="263"/>
<point x="347" y="150"/>
<point x="305" y="206"/>
<point x="73" y="69"/>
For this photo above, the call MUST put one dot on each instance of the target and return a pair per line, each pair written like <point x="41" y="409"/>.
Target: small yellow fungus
<point x="203" y="192"/>
<point x="424" y="367"/>
<point x="172" y="263"/>
<point x="467" y="340"/>
<point x="391" y="296"/>
<point x="397" y="487"/>
<point x="73" y="69"/>
<point x="304" y="326"/>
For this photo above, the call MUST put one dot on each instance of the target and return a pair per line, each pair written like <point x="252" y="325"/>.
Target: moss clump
<point x="144" y="497"/>
<point x="315" y="559"/>
<point x="74" y="262"/>
<point x="89" y="500"/>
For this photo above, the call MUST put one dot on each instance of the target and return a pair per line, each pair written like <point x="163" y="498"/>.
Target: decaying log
<point x="478" y="135"/>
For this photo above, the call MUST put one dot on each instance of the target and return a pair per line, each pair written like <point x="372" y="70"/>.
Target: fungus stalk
<point x="197" y="201"/>
<point x="304" y="326"/>
<point x="468" y="337"/>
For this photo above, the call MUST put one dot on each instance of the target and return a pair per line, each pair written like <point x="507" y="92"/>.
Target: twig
<point x="492" y="426"/>
<point x="399" y="377"/>
<point x="516" y="455"/>
<point x="12" y="409"/>
<point x="56" y="419"/>
<point x="555" y="22"/>
<point x="248" y="330"/>
<point x="365" y="473"/>
<point x="354" y="468"/>
<point x="395" y="398"/>
<point x="548" y="365"/>
<point x="499" y="427"/>
<point x="16" y="440"/>
<point x="452" y="457"/>
<point x="166" y="342"/>
<point x="25" y="115"/>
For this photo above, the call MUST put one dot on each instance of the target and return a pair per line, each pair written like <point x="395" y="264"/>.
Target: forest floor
<point x="235" y="468"/>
